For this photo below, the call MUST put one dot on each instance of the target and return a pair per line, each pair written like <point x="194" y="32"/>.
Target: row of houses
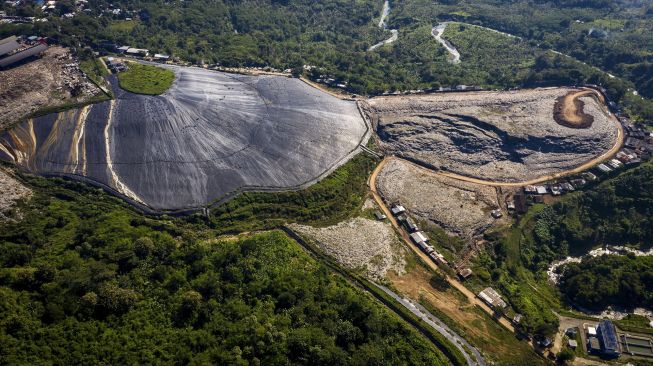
<point x="418" y="237"/>
<point x="13" y="50"/>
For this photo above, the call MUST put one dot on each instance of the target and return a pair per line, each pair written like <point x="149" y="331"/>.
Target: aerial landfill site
<point x="495" y="136"/>
<point x="208" y="137"/>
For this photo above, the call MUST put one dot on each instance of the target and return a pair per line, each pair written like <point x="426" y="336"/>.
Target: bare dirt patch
<point x="361" y="244"/>
<point x="11" y="190"/>
<point x="460" y="208"/>
<point x="569" y="110"/>
<point x="494" y="136"/>
<point x="52" y="80"/>
<point x="496" y="343"/>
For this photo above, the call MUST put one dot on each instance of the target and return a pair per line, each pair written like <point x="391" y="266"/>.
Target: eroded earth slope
<point x="210" y="135"/>
<point x="497" y="136"/>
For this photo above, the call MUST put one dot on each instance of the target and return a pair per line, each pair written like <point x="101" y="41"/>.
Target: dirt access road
<point x="404" y="235"/>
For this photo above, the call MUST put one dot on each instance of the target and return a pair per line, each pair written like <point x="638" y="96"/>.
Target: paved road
<point x="454" y="282"/>
<point x="475" y="359"/>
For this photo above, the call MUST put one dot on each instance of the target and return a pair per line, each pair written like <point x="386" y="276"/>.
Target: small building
<point x="540" y="190"/>
<point x="22" y="55"/>
<point x="616" y="164"/>
<point x="397" y="209"/>
<point x="425" y="247"/>
<point x="491" y="297"/>
<point x="593" y="345"/>
<point x="137" y="52"/>
<point x="510" y="205"/>
<point x="122" y="49"/>
<point x="161" y="57"/>
<point x="496" y="214"/>
<point x="607" y="335"/>
<point x="572" y="344"/>
<point x="9" y="45"/>
<point x="379" y="216"/>
<point x="410" y="225"/>
<point x="591" y="331"/>
<point x="465" y="273"/>
<point x="438" y="258"/>
<point x="571" y="332"/>
<point x="578" y="183"/>
<point x="516" y="319"/>
<point x="556" y="190"/>
<point x="567" y="187"/>
<point x="418" y="237"/>
<point x="604" y="168"/>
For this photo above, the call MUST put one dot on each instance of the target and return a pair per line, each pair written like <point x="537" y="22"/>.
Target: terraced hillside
<point x="495" y="136"/>
<point x="211" y="134"/>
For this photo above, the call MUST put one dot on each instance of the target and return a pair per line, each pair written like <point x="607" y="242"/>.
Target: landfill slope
<point x="210" y="135"/>
<point x="494" y="136"/>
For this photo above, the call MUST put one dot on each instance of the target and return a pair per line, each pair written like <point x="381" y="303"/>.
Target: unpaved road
<point x="437" y="32"/>
<point x="452" y="281"/>
<point x="384" y="25"/>
<point x="475" y="359"/>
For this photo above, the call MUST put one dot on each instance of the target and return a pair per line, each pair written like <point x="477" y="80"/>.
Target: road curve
<point x="475" y="359"/>
<point x="437" y="32"/>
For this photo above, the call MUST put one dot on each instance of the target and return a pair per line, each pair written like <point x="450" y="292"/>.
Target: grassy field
<point x="146" y="79"/>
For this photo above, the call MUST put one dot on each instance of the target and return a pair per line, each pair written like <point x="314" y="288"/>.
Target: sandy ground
<point x="492" y="136"/>
<point x="51" y="80"/>
<point x="361" y="244"/>
<point x="11" y="191"/>
<point x="461" y="208"/>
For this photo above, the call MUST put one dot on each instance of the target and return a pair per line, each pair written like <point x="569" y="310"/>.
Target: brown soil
<point x="52" y="80"/>
<point x="569" y="111"/>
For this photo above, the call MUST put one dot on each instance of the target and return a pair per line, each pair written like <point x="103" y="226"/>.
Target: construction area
<point x="53" y="79"/>
<point x="507" y="136"/>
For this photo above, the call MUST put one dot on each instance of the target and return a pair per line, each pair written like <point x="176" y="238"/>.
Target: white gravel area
<point x="360" y="244"/>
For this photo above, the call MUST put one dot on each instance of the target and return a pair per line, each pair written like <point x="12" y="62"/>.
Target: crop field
<point x="496" y="136"/>
<point x="210" y="135"/>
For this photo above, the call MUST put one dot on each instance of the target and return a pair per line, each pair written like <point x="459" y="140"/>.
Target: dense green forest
<point x="86" y="280"/>
<point x="334" y="37"/>
<point x="616" y="212"/>
<point x="625" y="281"/>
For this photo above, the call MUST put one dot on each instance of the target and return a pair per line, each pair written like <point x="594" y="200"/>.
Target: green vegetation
<point x="327" y="202"/>
<point x="86" y="280"/>
<point x="334" y="36"/>
<point x="597" y="282"/>
<point x="146" y="79"/>
<point x="618" y="211"/>
<point x="94" y="70"/>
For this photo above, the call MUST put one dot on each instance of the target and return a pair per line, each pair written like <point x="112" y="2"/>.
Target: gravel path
<point x="437" y="32"/>
<point x="384" y="25"/>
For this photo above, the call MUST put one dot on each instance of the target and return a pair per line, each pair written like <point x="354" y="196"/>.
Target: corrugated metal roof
<point x="7" y="47"/>
<point x="23" y="55"/>
<point x="8" y="39"/>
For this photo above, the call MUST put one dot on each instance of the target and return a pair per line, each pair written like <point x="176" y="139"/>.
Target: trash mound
<point x="495" y="136"/>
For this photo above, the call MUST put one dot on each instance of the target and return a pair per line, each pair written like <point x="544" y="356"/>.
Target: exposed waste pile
<point x="497" y="136"/>
<point x="210" y="135"/>
<point x="51" y="80"/>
